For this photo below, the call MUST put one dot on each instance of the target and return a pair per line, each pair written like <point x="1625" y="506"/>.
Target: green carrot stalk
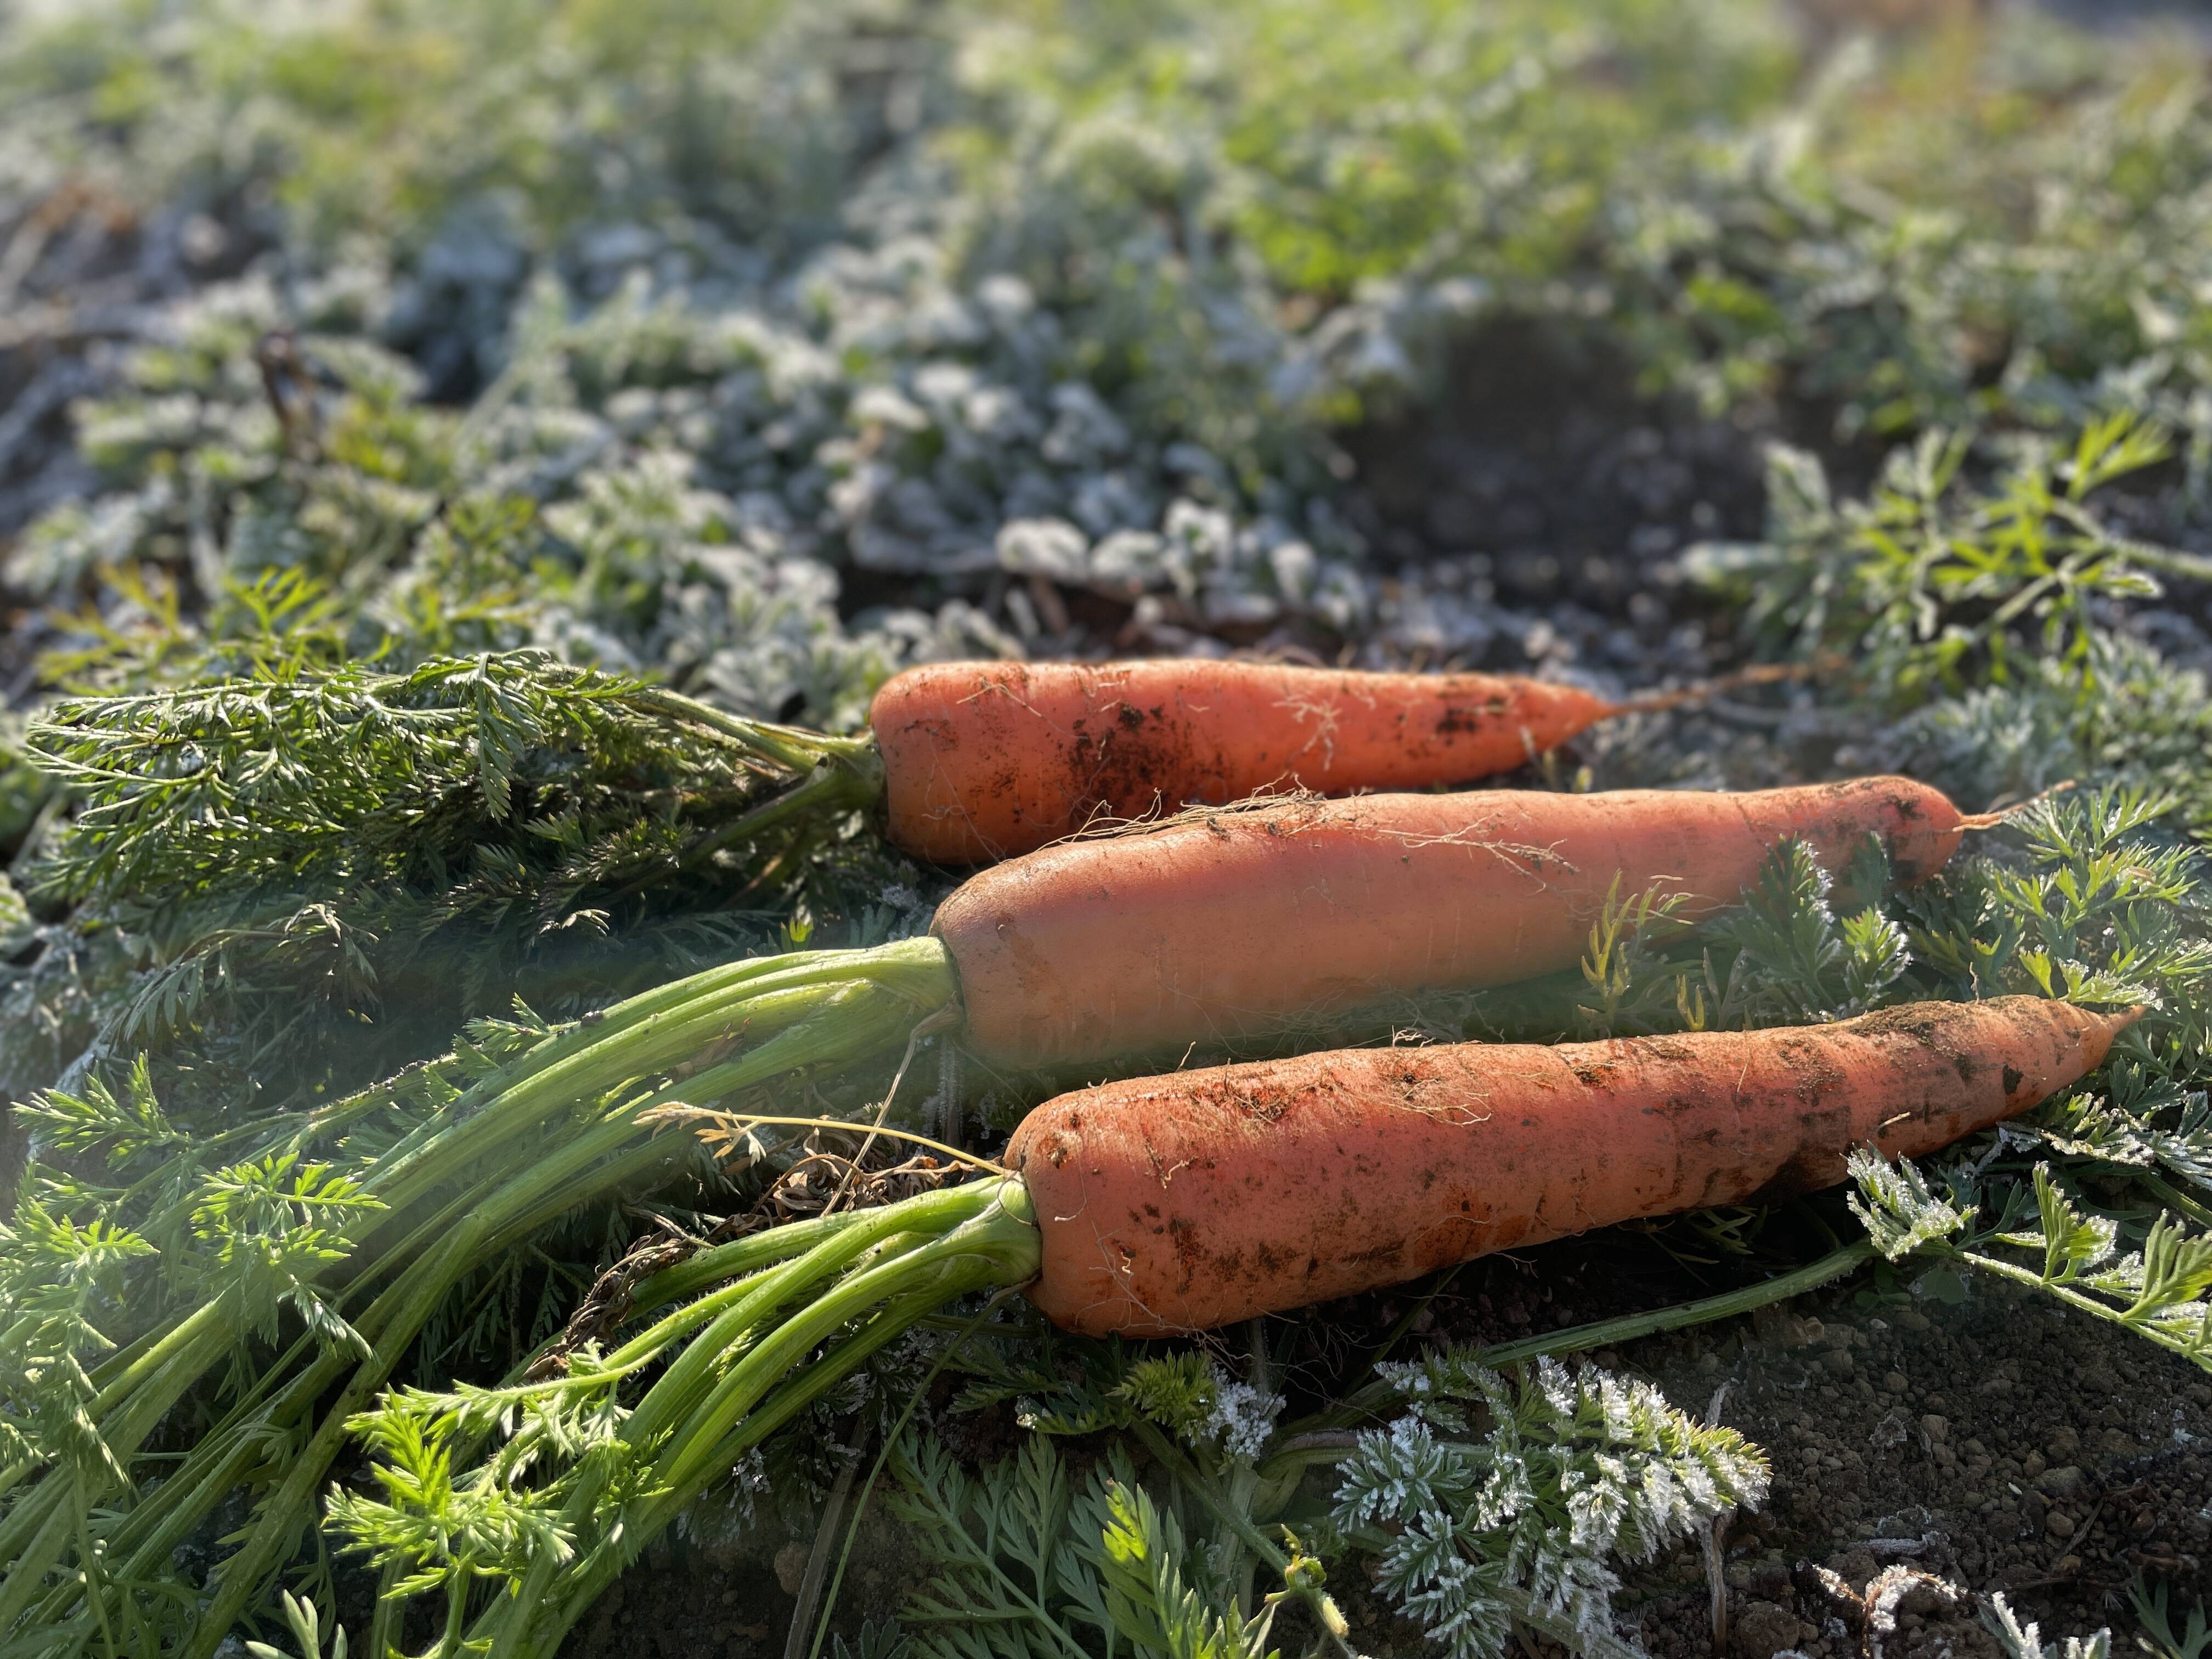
<point x="1159" y="1205"/>
<point x="737" y="1369"/>
<point x="501" y="1159"/>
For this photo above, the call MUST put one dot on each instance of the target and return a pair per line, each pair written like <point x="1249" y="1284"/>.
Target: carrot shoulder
<point x="1186" y="1202"/>
<point x="1243" y="923"/>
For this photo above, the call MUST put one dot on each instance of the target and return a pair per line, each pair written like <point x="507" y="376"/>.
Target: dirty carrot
<point x="1197" y="1201"/>
<point x="984" y="760"/>
<point x="1236" y="924"/>
<point x="1185" y="1202"/>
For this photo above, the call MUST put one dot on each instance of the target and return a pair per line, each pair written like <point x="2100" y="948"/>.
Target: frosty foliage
<point x="1572" y="1468"/>
<point x="1898" y="1208"/>
<point x="1191" y="1396"/>
<point x="2026" y="1641"/>
<point x="1241" y="1418"/>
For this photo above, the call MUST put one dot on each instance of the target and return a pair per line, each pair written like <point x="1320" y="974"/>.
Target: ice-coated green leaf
<point x="1900" y="1214"/>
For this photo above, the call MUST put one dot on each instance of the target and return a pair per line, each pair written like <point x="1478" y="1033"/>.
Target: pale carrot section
<point x="1182" y="1203"/>
<point x="1242" y="923"/>
<point x="986" y="760"/>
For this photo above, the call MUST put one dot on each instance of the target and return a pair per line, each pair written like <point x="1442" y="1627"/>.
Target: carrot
<point x="1237" y="924"/>
<point x="984" y="760"/>
<point x="1182" y="1203"/>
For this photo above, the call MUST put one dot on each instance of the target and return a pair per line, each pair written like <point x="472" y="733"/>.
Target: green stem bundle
<point x="753" y="1333"/>
<point x="571" y="1121"/>
<point x="740" y="1363"/>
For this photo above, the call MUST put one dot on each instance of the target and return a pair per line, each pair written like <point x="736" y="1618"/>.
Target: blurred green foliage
<point x="1998" y="214"/>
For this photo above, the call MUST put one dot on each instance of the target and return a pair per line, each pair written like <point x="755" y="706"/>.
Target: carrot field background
<point x="500" y="356"/>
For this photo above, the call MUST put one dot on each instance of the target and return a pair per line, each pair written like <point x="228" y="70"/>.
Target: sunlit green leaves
<point x="15" y="914"/>
<point x="1625" y="964"/>
<point x="1023" y="1561"/>
<point x="2157" y="1290"/>
<point x="61" y="1283"/>
<point x="305" y="1620"/>
<point x="1934" y="583"/>
<point x="269" y="1228"/>
<point x="1137" y="1560"/>
<point x="437" y="1531"/>
<point x="2177" y="1269"/>
<point x="2072" y="1242"/>
<point x="124" y="1129"/>
<point x="1875" y="957"/>
<point x="2104" y="911"/>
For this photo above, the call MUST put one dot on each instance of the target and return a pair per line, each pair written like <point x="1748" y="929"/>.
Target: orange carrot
<point x="982" y="761"/>
<point x="1240" y="923"/>
<point x="1182" y="1203"/>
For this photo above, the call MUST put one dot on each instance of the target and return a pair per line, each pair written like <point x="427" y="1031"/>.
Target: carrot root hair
<point x="1763" y="673"/>
<point x="1104" y="825"/>
<point x="1990" y="820"/>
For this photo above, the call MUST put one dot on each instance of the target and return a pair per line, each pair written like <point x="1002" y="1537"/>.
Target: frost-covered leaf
<point x="1574" y="1469"/>
<point x="1899" y="1212"/>
<point x="2026" y="1641"/>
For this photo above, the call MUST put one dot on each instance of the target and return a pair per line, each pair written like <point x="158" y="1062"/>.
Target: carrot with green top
<point x="966" y="762"/>
<point x="1188" y="1202"/>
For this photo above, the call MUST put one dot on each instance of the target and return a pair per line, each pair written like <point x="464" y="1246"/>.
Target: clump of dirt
<point x="2003" y="1444"/>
